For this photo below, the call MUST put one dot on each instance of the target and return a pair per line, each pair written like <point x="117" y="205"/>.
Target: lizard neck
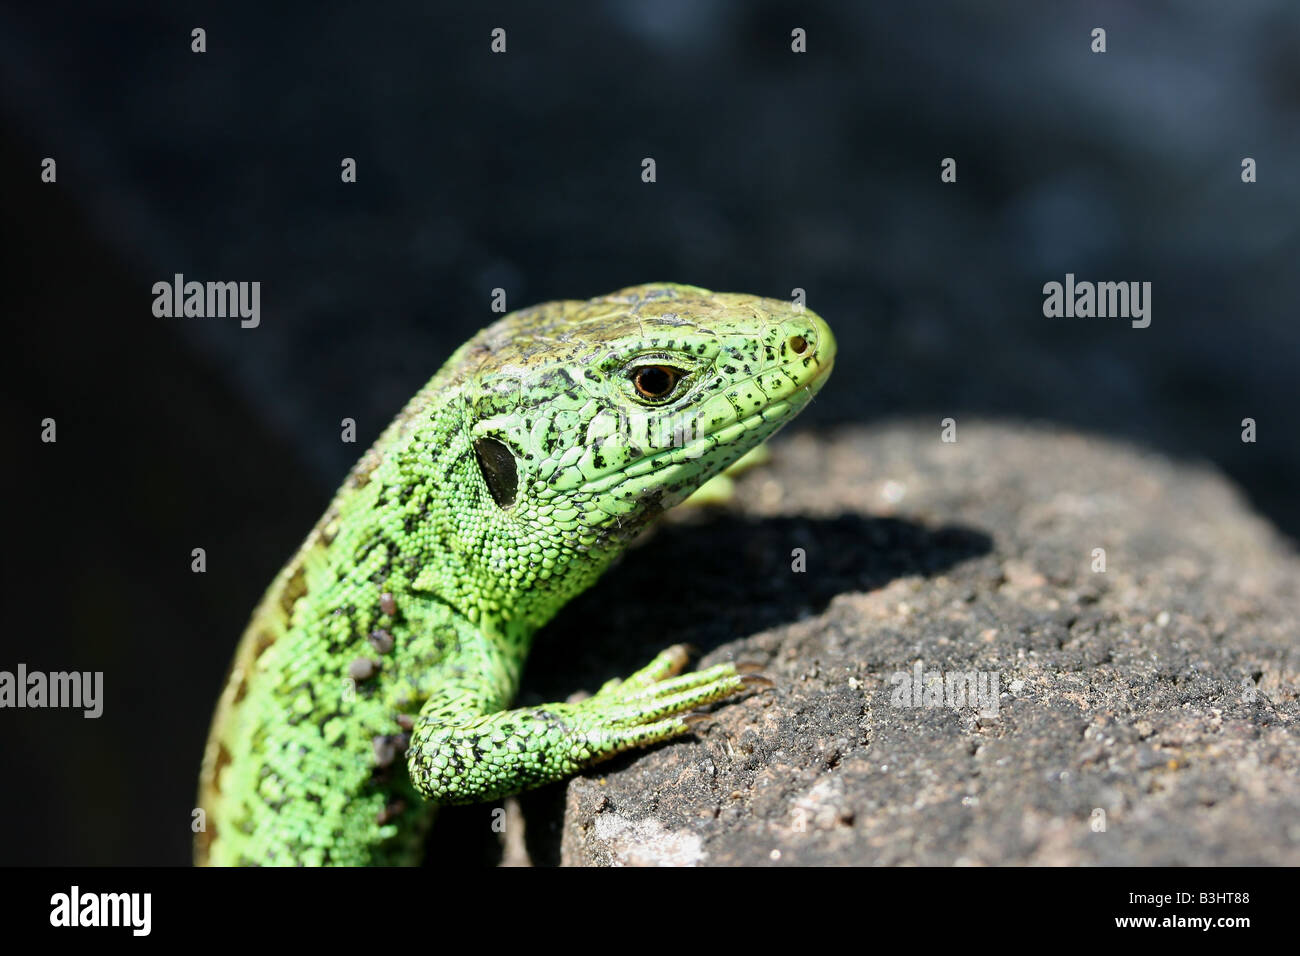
<point x="456" y="544"/>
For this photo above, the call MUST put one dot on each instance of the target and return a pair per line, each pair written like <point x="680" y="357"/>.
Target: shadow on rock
<point x="710" y="581"/>
<point x="714" y="581"/>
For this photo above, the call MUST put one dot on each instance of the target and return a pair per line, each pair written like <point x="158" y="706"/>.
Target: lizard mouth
<point x="730" y="440"/>
<point x="684" y="457"/>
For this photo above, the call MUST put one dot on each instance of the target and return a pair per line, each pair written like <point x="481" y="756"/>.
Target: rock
<point x="1142" y="715"/>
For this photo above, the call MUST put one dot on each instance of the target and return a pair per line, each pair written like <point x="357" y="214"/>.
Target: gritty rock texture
<point x="1144" y="715"/>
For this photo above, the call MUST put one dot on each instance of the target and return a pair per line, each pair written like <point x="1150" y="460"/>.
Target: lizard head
<point x="587" y="419"/>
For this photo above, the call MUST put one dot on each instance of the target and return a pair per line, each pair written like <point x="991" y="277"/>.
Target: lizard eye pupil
<point x="500" y="473"/>
<point x="656" y="381"/>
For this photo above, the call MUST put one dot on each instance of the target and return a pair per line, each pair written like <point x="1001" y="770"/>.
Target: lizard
<point x="374" y="680"/>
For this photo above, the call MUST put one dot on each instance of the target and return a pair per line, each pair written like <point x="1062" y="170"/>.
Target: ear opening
<point x="500" y="471"/>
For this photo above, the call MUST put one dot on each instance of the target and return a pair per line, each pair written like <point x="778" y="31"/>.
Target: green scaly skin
<point x="374" y="678"/>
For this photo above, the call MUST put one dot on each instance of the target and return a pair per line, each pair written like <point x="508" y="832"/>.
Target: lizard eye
<point x="656" y="382"/>
<point x="500" y="473"/>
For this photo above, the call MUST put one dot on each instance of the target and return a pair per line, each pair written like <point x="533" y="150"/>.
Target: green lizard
<point x="373" y="681"/>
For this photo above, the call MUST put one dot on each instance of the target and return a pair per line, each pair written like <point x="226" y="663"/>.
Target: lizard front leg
<point x="461" y="754"/>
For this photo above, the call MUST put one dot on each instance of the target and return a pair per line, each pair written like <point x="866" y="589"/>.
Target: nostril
<point x="798" y="344"/>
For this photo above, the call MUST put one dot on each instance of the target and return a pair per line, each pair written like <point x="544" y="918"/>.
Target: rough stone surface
<point x="1157" y="698"/>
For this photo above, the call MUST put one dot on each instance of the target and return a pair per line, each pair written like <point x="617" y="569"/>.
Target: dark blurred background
<point x="775" y="170"/>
